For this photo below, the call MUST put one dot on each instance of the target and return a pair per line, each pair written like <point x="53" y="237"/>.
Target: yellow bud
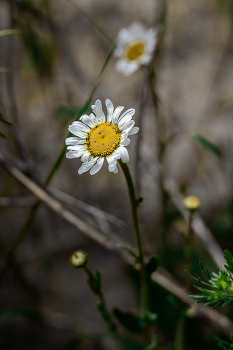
<point x="191" y="203"/>
<point x="78" y="259"/>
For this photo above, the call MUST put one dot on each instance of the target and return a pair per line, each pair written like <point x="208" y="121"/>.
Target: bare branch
<point x="198" y="225"/>
<point x="219" y="321"/>
<point x="86" y="207"/>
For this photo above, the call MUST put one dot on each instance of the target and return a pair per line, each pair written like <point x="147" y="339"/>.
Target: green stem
<point x="134" y="209"/>
<point x="188" y="249"/>
<point x="107" y="318"/>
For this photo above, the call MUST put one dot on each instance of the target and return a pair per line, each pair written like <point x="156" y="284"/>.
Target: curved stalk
<point x="134" y="209"/>
<point x="108" y="317"/>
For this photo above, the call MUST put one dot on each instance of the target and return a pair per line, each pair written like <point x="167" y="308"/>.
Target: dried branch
<point x="219" y="321"/>
<point x="86" y="207"/>
<point x="56" y="206"/>
<point x="198" y="225"/>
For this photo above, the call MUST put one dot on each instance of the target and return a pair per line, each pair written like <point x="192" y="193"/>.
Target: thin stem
<point x="189" y="249"/>
<point x="134" y="209"/>
<point x="104" y="313"/>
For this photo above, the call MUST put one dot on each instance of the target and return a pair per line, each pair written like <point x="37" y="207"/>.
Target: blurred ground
<point x="194" y="75"/>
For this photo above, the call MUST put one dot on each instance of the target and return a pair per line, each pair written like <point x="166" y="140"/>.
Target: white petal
<point x="74" y="129"/>
<point x="123" y="39"/>
<point x="88" y="120"/>
<point x="87" y="166"/>
<point x="77" y="147"/>
<point x="81" y="126"/>
<point x="125" y="142"/>
<point x="74" y="154"/>
<point x="146" y="59"/>
<point x="98" y="103"/>
<point x="86" y="157"/>
<point x="116" y="155"/>
<point x="98" y="111"/>
<point x="133" y="131"/>
<point x="129" y="113"/>
<point x="124" y="154"/>
<point x="127" y="126"/>
<point x="73" y="141"/>
<point x="97" y="167"/>
<point x="110" y="109"/>
<point x="126" y="67"/>
<point x="115" y="170"/>
<point x="137" y="29"/>
<point x="116" y="113"/>
<point x="111" y="163"/>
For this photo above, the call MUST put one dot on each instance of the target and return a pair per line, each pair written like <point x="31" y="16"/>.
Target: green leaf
<point x="93" y="287"/>
<point x="153" y="345"/>
<point x="66" y="114"/>
<point x="103" y="312"/>
<point x="14" y="313"/>
<point x="131" y="252"/>
<point x="206" y="272"/>
<point x="2" y="135"/>
<point x="10" y="31"/>
<point x="139" y="200"/>
<point x="229" y="258"/>
<point x="3" y="120"/>
<point x="208" y="145"/>
<point x="152" y="265"/>
<point x="128" y="320"/>
<point x="151" y="316"/>
<point x="98" y="279"/>
<point x="222" y="344"/>
<point x="41" y="47"/>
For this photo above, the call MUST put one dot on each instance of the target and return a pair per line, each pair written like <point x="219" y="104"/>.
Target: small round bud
<point x="191" y="203"/>
<point x="78" y="259"/>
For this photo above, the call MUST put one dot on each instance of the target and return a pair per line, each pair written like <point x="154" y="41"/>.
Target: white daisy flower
<point x="135" y="46"/>
<point x="98" y="137"/>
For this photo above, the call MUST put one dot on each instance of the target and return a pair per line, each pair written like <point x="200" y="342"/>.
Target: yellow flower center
<point x="135" y="50"/>
<point x="103" y="139"/>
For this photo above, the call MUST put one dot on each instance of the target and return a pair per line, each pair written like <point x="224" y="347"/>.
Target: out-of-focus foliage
<point x="224" y="344"/>
<point x="40" y="43"/>
<point x="225" y="7"/>
<point x="3" y="120"/>
<point x="223" y="224"/>
<point x="13" y="314"/>
<point x="9" y="32"/>
<point x="66" y="114"/>
<point x="208" y="145"/>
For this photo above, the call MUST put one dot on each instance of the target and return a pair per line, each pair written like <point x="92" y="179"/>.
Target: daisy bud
<point x="78" y="259"/>
<point x="191" y="203"/>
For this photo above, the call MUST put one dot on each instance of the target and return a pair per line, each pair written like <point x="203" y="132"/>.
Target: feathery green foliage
<point x="219" y="289"/>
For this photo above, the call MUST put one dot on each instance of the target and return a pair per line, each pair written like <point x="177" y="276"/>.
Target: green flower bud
<point x="191" y="203"/>
<point x="78" y="259"/>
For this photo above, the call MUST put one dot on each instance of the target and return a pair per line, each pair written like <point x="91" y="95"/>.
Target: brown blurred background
<point x="46" y="75"/>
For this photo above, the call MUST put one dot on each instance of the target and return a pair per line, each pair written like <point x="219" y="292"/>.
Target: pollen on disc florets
<point x="135" y="50"/>
<point x="103" y="139"/>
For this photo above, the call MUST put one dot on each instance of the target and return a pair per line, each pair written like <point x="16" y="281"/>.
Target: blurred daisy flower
<point x="135" y="46"/>
<point x="98" y="137"/>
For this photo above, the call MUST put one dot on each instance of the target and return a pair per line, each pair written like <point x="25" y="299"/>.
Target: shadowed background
<point x="46" y="75"/>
